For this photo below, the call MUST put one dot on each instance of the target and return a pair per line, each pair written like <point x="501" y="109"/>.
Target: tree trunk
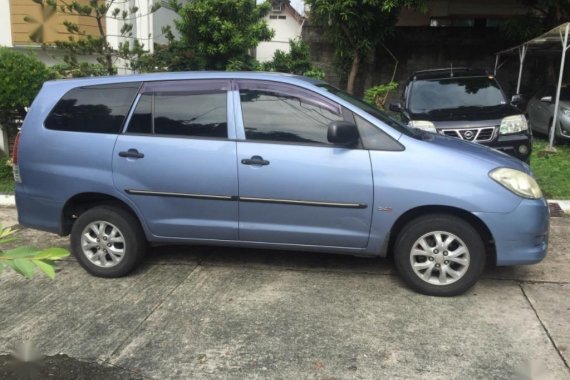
<point x="353" y="72"/>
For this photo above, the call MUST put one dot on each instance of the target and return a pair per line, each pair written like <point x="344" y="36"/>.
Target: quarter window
<point x="286" y="113"/>
<point x="95" y="109"/>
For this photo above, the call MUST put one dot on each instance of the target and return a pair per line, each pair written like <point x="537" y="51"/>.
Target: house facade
<point x="287" y="23"/>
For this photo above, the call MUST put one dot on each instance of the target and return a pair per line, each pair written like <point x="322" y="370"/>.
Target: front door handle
<point x="255" y="160"/>
<point x="131" y="153"/>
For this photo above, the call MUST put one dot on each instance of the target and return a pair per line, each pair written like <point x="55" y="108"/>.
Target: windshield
<point x="372" y="110"/>
<point x="565" y="93"/>
<point x="453" y="93"/>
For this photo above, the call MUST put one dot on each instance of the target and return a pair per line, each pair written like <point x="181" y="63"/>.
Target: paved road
<point x="215" y="313"/>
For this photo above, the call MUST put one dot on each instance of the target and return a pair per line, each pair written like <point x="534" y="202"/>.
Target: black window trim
<point x="344" y="112"/>
<point x="125" y="120"/>
<point x="142" y="92"/>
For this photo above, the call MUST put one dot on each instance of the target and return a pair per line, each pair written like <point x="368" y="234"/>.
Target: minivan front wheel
<point x="107" y="241"/>
<point x="440" y="255"/>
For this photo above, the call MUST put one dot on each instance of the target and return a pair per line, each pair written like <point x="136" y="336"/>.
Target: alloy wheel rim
<point x="440" y="258"/>
<point x="103" y="244"/>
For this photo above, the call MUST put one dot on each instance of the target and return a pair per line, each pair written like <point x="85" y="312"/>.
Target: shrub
<point x="21" y="77"/>
<point x="377" y="95"/>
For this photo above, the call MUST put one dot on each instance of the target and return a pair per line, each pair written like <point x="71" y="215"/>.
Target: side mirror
<point x="395" y="107"/>
<point x="546" y="99"/>
<point x="343" y="133"/>
<point x="517" y="99"/>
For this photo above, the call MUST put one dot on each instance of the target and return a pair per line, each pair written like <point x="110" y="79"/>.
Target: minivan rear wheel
<point x="439" y="255"/>
<point x="108" y="241"/>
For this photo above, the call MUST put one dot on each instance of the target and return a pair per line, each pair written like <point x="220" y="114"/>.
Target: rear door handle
<point x="131" y="153"/>
<point x="255" y="160"/>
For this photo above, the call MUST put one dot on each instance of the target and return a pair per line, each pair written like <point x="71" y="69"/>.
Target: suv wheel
<point x="440" y="255"/>
<point x="108" y="241"/>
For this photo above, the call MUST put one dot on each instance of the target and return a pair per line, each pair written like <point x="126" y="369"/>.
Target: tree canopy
<point x="222" y="31"/>
<point x="355" y="27"/>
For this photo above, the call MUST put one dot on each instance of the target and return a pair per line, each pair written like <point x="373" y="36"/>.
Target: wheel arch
<point x="478" y="224"/>
<point x="82" y="202"/>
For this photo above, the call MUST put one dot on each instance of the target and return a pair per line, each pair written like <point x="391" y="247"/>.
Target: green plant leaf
<point x="46" y="267"/>
<point x="52" y="254"/>
<point x="19" y="252"/>
<point x="24" y="267"/>
<point x="7" y="240"/>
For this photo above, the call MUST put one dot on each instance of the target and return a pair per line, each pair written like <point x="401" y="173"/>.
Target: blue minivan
<point x="266" y="160"/>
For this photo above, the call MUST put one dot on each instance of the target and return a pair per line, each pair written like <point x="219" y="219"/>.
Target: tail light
<point x="16" y="168"/>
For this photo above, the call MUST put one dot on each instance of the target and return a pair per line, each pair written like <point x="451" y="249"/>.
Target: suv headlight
<point x="565" y="111"/>
<point x="424" y="125"/>
<point x="518" y="182"/>
<point x="513" y="124"/>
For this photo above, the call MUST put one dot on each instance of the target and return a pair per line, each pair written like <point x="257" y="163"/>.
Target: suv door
<point x="296" y="187"/>
<point x="176" y="162"/>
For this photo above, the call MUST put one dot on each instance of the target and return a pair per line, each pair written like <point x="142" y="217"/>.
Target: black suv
<point x="467" y="104"/>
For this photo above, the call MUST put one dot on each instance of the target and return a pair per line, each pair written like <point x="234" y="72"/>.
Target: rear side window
<point x="94" y="109"/>
<point x="182" y="108"/>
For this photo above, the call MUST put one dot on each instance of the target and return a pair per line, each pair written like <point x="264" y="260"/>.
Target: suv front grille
<point x="482" y="134"/>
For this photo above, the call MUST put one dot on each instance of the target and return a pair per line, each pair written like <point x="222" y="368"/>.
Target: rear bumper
<point x="38" y="213"/>
<point x="521" y="236"/>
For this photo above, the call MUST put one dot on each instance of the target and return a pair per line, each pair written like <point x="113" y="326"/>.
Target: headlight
<point x="565" y="111"/>
<point x="518" y="182"/>
<point x="427" y="126"/>
<point x="513" y="124"/>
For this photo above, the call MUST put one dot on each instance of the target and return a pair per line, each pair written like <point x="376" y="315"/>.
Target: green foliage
<point x="80" y="43"/>
<point x="6" y="177"/>
<point x="25" y="260"/>
<point x="355" y="27"/>
<point x="78" y="70"/>
<point x="222" y="32"/>
<point x="551" y="170"/>
<point x="377" y="95"/>
<point x="296" y="61"/>
<point x="21" y="77"/>
<point x="173" y="56"/>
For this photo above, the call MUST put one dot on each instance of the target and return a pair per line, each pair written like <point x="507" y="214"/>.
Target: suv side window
<point x="95" y="109"/>
<point x="285" y="113"/>
<point x="185" y="108"/>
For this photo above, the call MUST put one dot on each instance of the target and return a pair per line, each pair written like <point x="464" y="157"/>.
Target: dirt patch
<point x="61" y="367"/>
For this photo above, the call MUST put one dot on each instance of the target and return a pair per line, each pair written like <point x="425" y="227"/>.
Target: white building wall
<point x="5" y="24"/>
<point x="161" y="18"/>
<point x="285" y="29"/>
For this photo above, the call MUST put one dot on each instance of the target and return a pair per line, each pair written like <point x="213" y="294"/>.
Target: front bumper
<point x="521" y="236"/>
<point x="517" y="145"/>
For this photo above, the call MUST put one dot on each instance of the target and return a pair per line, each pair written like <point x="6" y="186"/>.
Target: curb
<point x="8" y="200"/>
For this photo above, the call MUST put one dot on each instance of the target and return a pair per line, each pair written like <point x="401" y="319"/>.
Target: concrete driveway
<point x="216" y="313"/>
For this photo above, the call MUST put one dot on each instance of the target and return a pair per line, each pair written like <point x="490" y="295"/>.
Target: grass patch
<point x="552" y="171"/>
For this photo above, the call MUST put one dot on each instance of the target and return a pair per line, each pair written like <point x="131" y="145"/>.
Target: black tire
<point x="134" y="246"/>
<point x="424" y="225"/>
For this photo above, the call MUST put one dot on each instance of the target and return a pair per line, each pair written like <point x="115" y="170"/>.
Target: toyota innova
<point x="269" y="161"/>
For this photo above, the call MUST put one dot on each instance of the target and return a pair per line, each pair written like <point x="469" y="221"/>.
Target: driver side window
<point x="283" y="113"/>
